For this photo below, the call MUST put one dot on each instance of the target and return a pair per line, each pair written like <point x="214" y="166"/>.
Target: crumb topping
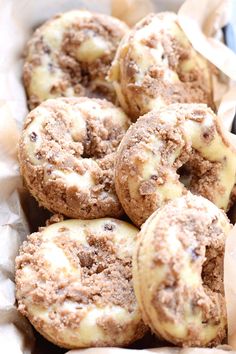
<point x="96" y="276"/>
<point x="74" y="51"/>
<point x="157" y="65"/>
<point x="169" y="151"/>
<point x="67" y="156"/>
<point x="190" y="294"/>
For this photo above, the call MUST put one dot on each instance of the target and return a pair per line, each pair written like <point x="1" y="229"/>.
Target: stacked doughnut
<point x="155" y="64"/>
<point x="93" y="279"/>
<point x="70" y="55"/>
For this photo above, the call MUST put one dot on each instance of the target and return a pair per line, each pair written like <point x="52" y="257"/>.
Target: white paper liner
<point x="18" y="18"/>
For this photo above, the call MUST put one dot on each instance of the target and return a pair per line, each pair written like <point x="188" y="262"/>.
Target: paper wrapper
<point x="201" y="20"/>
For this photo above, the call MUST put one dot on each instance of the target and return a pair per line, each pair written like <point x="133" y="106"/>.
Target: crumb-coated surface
<point x="155" y="64"/>
<point x="169" y="151"/>
<point x="66" y="153"/>
<point x="74" y="283"/>
<point x="70" y="55"/>
<point x="178" y="272"/>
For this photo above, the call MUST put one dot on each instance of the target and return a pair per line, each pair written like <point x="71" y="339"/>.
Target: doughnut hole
<point x="185" y="175"/>
<point x="197" y="174"/>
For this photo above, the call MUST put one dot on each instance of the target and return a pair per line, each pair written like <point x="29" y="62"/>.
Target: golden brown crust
<point x="70" y="73"/>
<point x="170" y="150"/>
<point x="184" y="265"/>
<point x="66" y="155"/>
<point x="93" y="274"/>
<point x="156" y="65"/>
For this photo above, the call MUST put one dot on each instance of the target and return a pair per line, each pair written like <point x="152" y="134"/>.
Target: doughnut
<point x="66" y="153"/>
<point x="74" y="283"/>
<point x="70" y="55"/>
<point x="178" y="272"/>
<point x="156" y="65"/>
<point x="168" y="151"/>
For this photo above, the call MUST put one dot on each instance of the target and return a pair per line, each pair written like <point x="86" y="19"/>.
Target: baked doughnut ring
<point x="155" y="64"/>
<point x="178" y="272"/>
<point x="168" y="151"/>
<point x="66" y="153"/>
<point x="70" y="55"/>
<point x="74" y="283"/>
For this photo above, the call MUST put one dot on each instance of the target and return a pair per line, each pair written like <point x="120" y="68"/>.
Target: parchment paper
<point x="18" y="18"/>
<point x="149" y="351"/>
<point x="15" y="332"/>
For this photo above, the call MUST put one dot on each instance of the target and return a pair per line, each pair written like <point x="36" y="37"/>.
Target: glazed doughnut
<point x="155" y="64"/>
<point x="66" y="153"/>
<point x="74" y="283"/>
<point x="178" y="272"/>
<point x="70" y="55"/>
<point x="168" y="151"/>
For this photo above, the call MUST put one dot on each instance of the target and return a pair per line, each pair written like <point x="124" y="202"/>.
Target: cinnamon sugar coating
<point x="74" y="283"/>
<point x="66" y="153"/>
<point x="156" y="65"/>
<point x="70" y="54"/>
<point x="178" y="272"/>
<point x="169" y="151"/>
